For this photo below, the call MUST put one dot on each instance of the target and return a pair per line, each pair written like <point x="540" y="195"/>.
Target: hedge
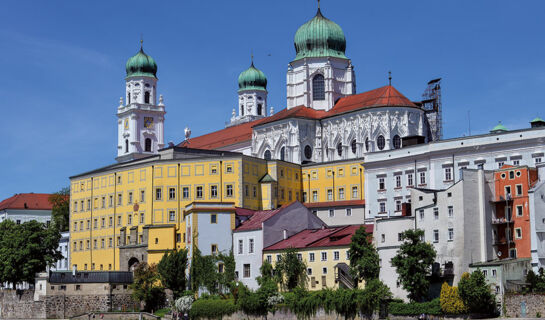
<point x="415" y="308"/>
<point x="212" y="308"/>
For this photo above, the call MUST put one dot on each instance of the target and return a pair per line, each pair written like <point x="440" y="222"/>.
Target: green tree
<point x="267" y="272"/>
<point x="413" y="263"/>
<point x="172" y="268"/>
<point x="227" y="276"/>
<point x="60" y="212"/>
<point x="370" y="298"/>
<point x="290" y="271"/>
<point x="146" y="286"/>
<point x="364" y="260"/>
<point x="26" y="249"/>
<point x="476" y="294"/>
<point x="203" y="272"/>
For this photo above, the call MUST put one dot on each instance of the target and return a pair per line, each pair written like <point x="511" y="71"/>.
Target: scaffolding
<point x="431" y="103"/>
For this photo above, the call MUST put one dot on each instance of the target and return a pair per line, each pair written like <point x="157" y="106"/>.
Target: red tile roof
<point x="224" y="137"/>
<point x="345" y="203"/>
<point x="256" y="220"/>
<point x="326" y="237"/>
<point x="244" y="212"/>
<point x="386" y="96"/>
<point x="29" y="201"/>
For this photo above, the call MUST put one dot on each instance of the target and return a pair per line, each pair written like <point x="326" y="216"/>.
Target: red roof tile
<point x="256" y="220"/>
<point x="345" y="203"/>
<point x="387" y="96"/>
<point x="244" y="212"/>
<point x="326" y="237"/>
<point x="30" y="201"/>
<point x="297" y="112"/>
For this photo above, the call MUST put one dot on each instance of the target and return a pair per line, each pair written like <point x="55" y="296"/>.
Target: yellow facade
<point x="320" y="268"/>
<point x="333" y="181"/>
<point x="113" y="204"/>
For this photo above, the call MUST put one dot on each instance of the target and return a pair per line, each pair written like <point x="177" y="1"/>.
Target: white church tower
<point x="252" y="96"/>
<point x="320" y="73"/>
<point x="140" y="120"/>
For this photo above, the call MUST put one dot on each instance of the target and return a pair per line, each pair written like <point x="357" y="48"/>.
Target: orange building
<point x="512" y="218"/>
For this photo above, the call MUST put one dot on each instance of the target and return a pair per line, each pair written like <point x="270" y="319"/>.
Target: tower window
<point x="148" y="145"/>
<point x="308" y="152"/>
<point x="340" y="149"/>
<point x="259" y="109"/>
<point x="366" y="144"/>
<point x="353" y="146"/>
<point x="126" y="145"/>
<point x="381" y="142"/>
<point x="267" y="155"/>
<point x="397" y="142"/>
<point x="318" y="87"/>
<point x="241" y="110"/>
<point x="146" y="97"/>
<point x="129" y="98"/>
<point x="283" y="153"/>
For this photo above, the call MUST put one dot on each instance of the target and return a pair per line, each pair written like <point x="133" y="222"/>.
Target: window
<point x="158" y="193"/>
<point x="269" y="258"/>
<point x="314" y="196"/>
<point x="353" y="146"/>
<point x="448" y="174"/>
<point x="382" y="207"/>
<point x="324" y="256"/>
<point x="354" y="192"/>
<point x="103" y="223"/>
<point x="329" y="194"/>
<point x="436" y="213"/>
<point x="341" y="193"/>
<point x="278" y="258"/>
<point x="381" y="184"/>
<point x="398" y="205"/>
<point x="95" y="244"/>
<point x="398" y="181"/>
<point x="309" y="271"/>
<point x="119" y="220"/>
<point x="366" y="144"/>
<point x="129" y="219"/>
<point x="397" y="142"/>
<point x="311" y="257"/>
<point x="512" y="253"/>
<point x="348" y="212"/>
<point x="240" y="246"/>
<point x="318" y="88"/>
<point x="308" y="152"/>
<point x="185" y="192"/>
<point x="519" y="189"/>
<point x="88" y="204"/>
<point x="299" y="257"/>
<point x="147" y="147"/>
<point x="435" y="235"/>
<point x="450" y="234"/>
<point x="519" y="211"/>
<point x="95" y="223"/>
<point x="336" y="255"/>
<point x="172" y="215"/>
<point x="283" y="153"/>
<point x="511" y="174"/>
<point x="518" y="233"/>
<point x="146" y="97"/>
<point x="75" y="226"/>
<point x="267" y="155"/>
<point x="485" y="273"/>
<point x="251" y="246"/>
<point x="102" y="243"/>
<point x="171" y="193"/>
<point x="229" y="190"/>
<point x="214" y="248"/>
<point x="410" y="179"/>
<point x="500" y="164"/>
<point x="383" y="238"/>
<point x="129" y="201"/>
<point x="198" y="192"/>
<point x="331" y="213"/>
<point x="516" y="162"/>
<point x="103" y="204"/>
<point x="450" y="211"/>
<point x="507" y="192"/>
<point x="246" y="271"/>
<point x="229" y="169"/>
<point x="340" y="149"/>
<point x="537" y="160"/>
<point x="400" y="236"/>
<point x="142" y="219"/>
<point x="423" y="177"/>
<point x="324" y="270"/>
<point x="381" y="142"/>
<point x="254" y="190"/>
<point x="213" y="218"/>
<point x="111" y="202"/>
<point x="494" y="273"/>
<point x="213" y="191"/>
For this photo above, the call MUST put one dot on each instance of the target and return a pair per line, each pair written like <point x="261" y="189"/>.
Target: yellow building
<point x="325" y="253"/>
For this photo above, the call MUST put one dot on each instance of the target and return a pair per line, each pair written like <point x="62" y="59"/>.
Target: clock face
<point x="148" y="122"/>
<point x="126" y="124"/>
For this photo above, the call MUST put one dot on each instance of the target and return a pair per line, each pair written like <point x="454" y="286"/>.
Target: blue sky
<point x="63" y="65"/>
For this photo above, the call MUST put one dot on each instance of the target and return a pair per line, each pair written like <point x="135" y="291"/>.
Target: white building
<point x="263" y="229"/>
<point x="390" y="175"/>
<point x="64" y="248"/>
<point x="536" y="199"/>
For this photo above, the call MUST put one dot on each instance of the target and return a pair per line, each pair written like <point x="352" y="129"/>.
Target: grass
<point x="161" y="312"/>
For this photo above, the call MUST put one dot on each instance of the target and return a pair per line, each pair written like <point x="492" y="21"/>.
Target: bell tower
<point x="252" y="96"/>
<point x="140" y="119"/>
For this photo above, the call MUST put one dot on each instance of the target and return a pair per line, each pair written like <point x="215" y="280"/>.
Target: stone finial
<point x="234" y="113"/>
<point x="161" y="99"/>
<point x="120" y="101"/>
<point x="271" y="112"/>
<point x="187" y="133"/>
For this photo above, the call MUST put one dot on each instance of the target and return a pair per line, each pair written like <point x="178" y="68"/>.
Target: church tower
<point x="252" y="96"/>
<point x="320" y="73"/>
<point x="140" y="120"/>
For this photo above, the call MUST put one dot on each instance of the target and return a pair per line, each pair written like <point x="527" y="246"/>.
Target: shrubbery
<point x="212" y="308"/>
<point x="451" y="303"/>
<point x="415" y="308"/>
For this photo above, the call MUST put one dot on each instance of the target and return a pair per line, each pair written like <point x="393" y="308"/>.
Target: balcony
<point x="503" y="241"/>
<point x="503" y="199"/>
<point x="496" y="221"/>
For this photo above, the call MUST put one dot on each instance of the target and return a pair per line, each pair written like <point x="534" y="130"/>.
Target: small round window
<point x="503" y="175"/>
<point x="267" y="155"/>
<point x="518" y="173"/>
<point x="381" y="142"/>
<point x="353" y="146"/>
<point x="308" y="152"/>
<point x="340" y="149"/>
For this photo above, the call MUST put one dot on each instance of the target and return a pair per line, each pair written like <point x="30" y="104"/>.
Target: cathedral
<point x="324" y="119"/>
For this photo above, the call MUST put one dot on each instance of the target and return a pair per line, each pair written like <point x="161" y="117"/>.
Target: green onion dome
<point x="141" y="65"/>
<point x="252" y="79"/>
<point x="319" y="37"/>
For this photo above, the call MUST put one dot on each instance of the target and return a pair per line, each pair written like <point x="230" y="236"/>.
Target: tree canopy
<point x="364" y="260"/>
<point x="475" y="293"/>
<point x="146" y="286"/>
<point x="26" y="249"/>
<point x="172" y="268"/>
<point x="291" y="272"/>
<point x="413" y="264"/>
<point x="60" y="213"/>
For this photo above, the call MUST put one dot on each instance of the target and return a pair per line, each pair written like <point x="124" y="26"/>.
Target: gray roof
<point x="123" y="277"/>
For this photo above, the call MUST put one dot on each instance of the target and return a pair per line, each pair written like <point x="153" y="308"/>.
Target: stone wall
<point x="21" y="304"/>
<point x="534" y="304"/>
<point x="118" y="316"/>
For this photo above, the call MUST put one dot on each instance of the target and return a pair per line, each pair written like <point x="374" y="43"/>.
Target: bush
<point x="212" y="308"/>
<point x="451" y="303"/>
<point x="475" y="293"/>
<point x="303" y="303"/>
<point x="415" y="308"/>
